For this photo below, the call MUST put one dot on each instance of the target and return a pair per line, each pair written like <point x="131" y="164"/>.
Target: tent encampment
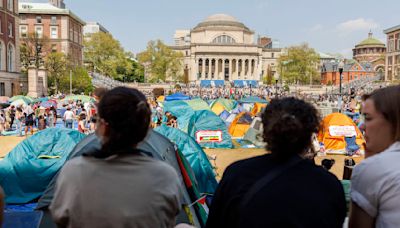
<point x="177" y="97"/>
<point x="240" y="124"/>
<point x="335" y="128"/>
<point x="29" y="167"/>
<point x="220" y="105"/>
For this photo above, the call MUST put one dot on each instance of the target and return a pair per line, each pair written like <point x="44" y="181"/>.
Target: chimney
<point x="58" y="3"/>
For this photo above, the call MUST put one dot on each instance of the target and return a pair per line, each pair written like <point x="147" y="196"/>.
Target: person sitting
<point x="283" y="188"/>
<point x="120" y="186"/>
<point x="171" y="120"/>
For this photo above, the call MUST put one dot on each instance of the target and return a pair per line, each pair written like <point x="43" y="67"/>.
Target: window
<point x="53" y="20"/>
<point x="272" y="55"/>
<point x="1" y="56"/>
<point x="10" y="29"/>
<point x="2" y="89"/>
<point x="22" y="18"/>
<point x="224" y="39"/>
<point x="54" y="48"/>
<point x="10" y="58"/>
<point x="39" y="31"/>
<point x="53" y="32"/>
<point x="10" y="5"/>
<point x="23" y="31"/>
<point x="39" y="20"/>
<point x="1" y="27"/>
<point x="398" y="44"/>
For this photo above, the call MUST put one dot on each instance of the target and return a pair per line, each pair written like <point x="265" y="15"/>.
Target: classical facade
<point x="51" y="20"/>
<point x="11" y="82"/>
<point x="392" y="66"/>
<point x="371" y="50"/>
<point x="222" y="50"/>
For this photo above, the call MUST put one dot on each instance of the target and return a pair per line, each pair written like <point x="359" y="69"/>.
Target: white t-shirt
<point x="375" y="186"/>
<point x="68" y="115"/>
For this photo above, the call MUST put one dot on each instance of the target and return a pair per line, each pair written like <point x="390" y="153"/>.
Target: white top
<point x="375" y="186"/>
<point x="68" y="115"/>
<point x="120" y="191"/>
<point x="28" y="110"/>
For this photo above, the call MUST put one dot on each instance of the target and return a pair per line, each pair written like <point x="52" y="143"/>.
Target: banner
<point x="208" y="136"/>
<point x="346" y="131"/>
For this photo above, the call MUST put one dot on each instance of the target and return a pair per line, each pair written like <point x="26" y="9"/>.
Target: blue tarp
<point x="253" y="99"/>
<point x="198" y="160"/>
<point x="212" y="83"/>
<point x="181" y="110"/>
<point x="206" y="120"/>
<point x="176" y="97"/>
<point x="244" y="83"/>
<point x="24" y="175"/>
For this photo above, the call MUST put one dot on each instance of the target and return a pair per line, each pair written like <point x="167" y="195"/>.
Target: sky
<point x="327" y="26"/>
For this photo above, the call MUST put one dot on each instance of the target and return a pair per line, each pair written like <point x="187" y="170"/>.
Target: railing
<point x="357" y="84"/>
<point x="99" y="80"/>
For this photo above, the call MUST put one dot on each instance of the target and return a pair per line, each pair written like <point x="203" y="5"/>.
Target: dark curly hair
<point x="288" y="126"/>
<point x="128" y="115"/>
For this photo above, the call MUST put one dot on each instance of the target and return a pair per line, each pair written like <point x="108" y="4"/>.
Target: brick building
<point x="51" y="20"/>
<point x="392" y="66"/>
<point x="10" y="79"/>
<point x="351" y="71"/>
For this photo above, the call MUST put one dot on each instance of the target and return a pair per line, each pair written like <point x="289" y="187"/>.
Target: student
<point x="375" y="182"/>
<point x="281" y="189"/>
<point x="120" y="186"/>
<point x="2" y="122"/>
<point x="41" y="123"/>
<point x="69" y="117"/>
<point x="29" y="119"/>
<point x="82" y="124"/>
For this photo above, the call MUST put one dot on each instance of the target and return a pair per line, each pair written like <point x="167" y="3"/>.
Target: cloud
<point x="316" y="27"/>
<point x="357" y="25"/>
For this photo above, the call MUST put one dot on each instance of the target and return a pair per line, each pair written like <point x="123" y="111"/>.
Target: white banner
<point x="346" y="131"/>
<point x="208" y="136"/>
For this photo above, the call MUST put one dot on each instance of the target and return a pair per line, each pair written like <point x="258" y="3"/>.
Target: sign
<point x="208" y="136"/>
<point x="346" y="131"/>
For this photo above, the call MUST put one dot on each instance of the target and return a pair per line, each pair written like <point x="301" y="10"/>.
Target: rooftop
<point x="392" y="29"/>
<point x="221" y="20"/>
<point x="370" y="41"/>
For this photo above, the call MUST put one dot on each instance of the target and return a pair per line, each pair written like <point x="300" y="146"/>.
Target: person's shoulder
<point x="246" y="164"/>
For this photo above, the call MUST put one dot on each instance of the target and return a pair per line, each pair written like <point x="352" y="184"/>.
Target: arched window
<point x="224" y="39"/>
<point x="10" y="58"/>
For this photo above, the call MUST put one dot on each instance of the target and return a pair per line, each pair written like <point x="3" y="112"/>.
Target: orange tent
<point x="240" y="125"/>
<point x="258" y="107"/>
<point x="333" y="130"/>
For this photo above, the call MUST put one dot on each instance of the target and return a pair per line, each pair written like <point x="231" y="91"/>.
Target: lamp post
<point x="340" y="68"/>
<point x="276" y="77"/>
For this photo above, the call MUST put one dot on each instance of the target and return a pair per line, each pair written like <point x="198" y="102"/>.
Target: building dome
<point x="221" y="20"/>
<point x="370" y="41"/>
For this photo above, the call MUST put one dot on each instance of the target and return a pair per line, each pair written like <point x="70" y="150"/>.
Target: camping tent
<point x="257" y="108"/>
<point x="209" y="130"/>
<point x="254" y="133"/>
<point x="195" y="155"/>
<point x="253" y="99"/>
<point x="220" y="105"/>
<point x="30" y="166"/>
<point x="177" y="97"/>
<point x="335" y="127"/>
<point x="240" y="124"/>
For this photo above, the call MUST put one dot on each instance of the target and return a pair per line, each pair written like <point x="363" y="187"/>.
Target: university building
<point x="392" y="67"/>
<point x="222" y="50"/>
<point x="11" y="82"/>
<point x="330" y="74"/>
<point x="53" y="21"/>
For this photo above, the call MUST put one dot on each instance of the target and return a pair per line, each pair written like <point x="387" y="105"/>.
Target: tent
<point x="177" y="97"/>
<point x="253" y="99"/>
<point x="26" y="98"/>
<point x="254" y="133"/>
<point x="195" y="155"/>
<point x="161" y="149"/>
<point x="240" y="124"/>
<point x="161" y="98"/>
<point x="209" y="130"/>
<point x="335" y="127"/>
<point x="257" y="108"/>
<point x="83" y="98"/>
<point x="220" y="105"/>
<point x="29" y="167"/>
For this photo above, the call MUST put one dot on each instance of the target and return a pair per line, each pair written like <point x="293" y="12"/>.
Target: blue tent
<point x="244" y="83"/>
<point x="253" y="99"/>
<point x="27" y="170"/>
<point x="206" y="120"/>
<point x="195" y="155"/>
<point x="176" y="97"/>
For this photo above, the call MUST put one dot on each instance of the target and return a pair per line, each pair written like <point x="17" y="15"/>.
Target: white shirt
<point x="28" y="110"/>
<point x="375" y="186"/>
<point x="68" y="115"/>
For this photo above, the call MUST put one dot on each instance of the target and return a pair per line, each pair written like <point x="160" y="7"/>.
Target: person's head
<point x="288" y="125"/>
<point x="381" y="109"/>
<point x="123" y="121"/>
<point x="98" y="93"/>
<point x="82" y="116"/>
<point x="167" y="113"/>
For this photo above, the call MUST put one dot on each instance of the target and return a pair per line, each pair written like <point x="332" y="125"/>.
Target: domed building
<point x="372" y="51"/>
<point x="222" y="50"/>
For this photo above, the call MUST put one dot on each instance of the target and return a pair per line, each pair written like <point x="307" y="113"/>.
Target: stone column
<point x="237" y="69"/>
<point x="203" y="69"/>
<point x="42" y="73"/>
<point x="217" y="69"/>
<point x="32" y="81"/>
<point x="230" y="69"/>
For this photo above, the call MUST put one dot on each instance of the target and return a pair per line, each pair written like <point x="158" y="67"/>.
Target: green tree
<point x="81" y="81"/>
<point x="106" y="55"/>
<point x="299" y="64"/>
<point x="56" y="64"/>
<point x="161" y="62"/>
<point x="135" y="74"/>
<point x="33" y="50"/>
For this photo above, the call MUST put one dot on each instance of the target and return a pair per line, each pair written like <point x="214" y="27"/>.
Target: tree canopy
<point x="299" y="65"/>
<point x="33" y="50"/>
<point x="161" y="62"/>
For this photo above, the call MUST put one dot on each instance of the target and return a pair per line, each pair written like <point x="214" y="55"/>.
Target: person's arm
<point x="359" y="218"/>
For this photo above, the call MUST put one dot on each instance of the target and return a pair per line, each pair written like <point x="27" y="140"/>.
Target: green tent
<point x="228" y="104"/>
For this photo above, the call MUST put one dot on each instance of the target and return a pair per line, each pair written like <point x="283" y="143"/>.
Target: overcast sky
<point x="328" y="26"/>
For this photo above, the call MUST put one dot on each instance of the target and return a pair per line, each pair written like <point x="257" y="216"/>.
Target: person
<point x="69" y="117"/>
<point x="375" y="183"/>
<point x="19" y="116"/>
<point x="41" y="123"/>
<point x="82" y="123"/>
<point x="52" y="117"/>
<point x="2" y="122"/>
<point x="12" y="116"/>
<point x="132" y="188"/>
<point x="28" y="112"/>
<point x="171" y="120"/>
<point x="280" y="189"/>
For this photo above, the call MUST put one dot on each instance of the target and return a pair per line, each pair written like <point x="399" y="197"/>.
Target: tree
<point x="299" y="64"/>
<point x="161" y="62"/>
<point x="106" y="54"/>
<point x="56" y="64"/>
<point x="33" y="49"/>
<point x="81" y="81"/>
<point x="136" y="74"/>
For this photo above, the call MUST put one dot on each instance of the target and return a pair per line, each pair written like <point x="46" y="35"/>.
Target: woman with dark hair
<point x="283" y="188"/>
<point x="375" y="183"/>
<point x="120" y="186"/>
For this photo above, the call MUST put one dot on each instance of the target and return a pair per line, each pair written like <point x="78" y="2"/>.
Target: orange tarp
<point x="337" y="142"/>
<point x="236" y="129"/>
<point x="218" y="109"/>
<point x="257" y="108"/>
